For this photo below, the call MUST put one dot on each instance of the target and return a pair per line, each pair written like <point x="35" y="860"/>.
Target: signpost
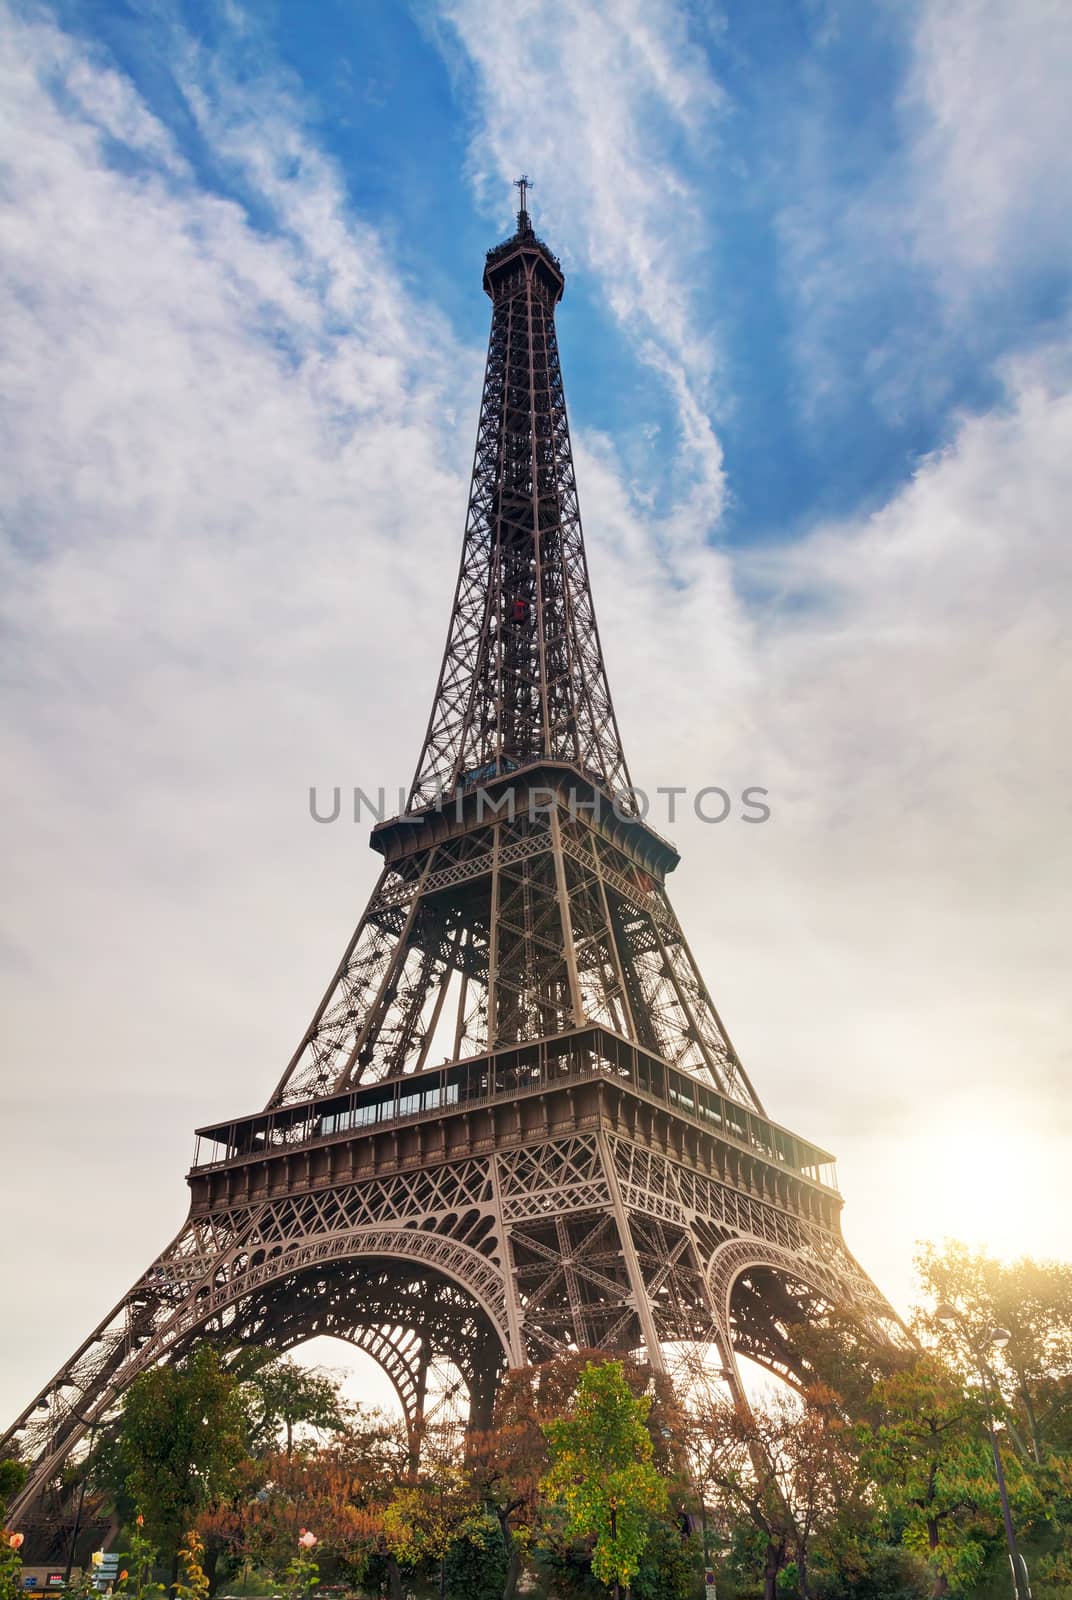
<point x="105" y="1569"/>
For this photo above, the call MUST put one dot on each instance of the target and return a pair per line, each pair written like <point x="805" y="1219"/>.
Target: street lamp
<point x="996" y="1339"/>
<point x="43" y="1405"/>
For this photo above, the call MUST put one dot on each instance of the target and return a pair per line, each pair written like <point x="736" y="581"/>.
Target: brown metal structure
<point x="516" y="1125"/>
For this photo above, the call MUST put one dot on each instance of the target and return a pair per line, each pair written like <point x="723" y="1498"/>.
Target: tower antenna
<point x="522" y="185"/>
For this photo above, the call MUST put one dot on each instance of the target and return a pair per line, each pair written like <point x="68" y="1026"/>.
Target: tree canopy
<point x="601" y="1471"/>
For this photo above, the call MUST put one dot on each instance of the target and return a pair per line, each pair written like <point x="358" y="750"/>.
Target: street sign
<point x="709" y="1584"/>
<point x="105" y="1568"/>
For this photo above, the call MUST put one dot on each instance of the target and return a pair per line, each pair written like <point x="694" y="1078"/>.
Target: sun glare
<point x="985" y="1184"/>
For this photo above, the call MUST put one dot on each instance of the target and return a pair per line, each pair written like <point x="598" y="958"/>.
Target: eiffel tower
<point x="515" y="1126"/>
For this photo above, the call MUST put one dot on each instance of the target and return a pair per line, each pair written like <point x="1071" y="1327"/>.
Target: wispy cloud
<point x="912" y="272"/>
<point x="989" y="124"/>
<point x="613" y="92"/>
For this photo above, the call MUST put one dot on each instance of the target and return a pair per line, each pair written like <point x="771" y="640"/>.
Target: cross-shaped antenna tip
<point x="522" y="185"/>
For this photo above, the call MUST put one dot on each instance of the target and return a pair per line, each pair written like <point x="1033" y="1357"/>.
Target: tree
<point x="507" y="1462"/>
<point x="930" y="1459"/>
<point x="602" y="1473"/>
<point x="475" y="1566"/>
<point x="283" y="1396"/>
<point x="873" y="1570"/>
<point x="340" y="1490"/>
<point x="12" y="1478"/>
<point x="423" y="1519"/>
<point x="180" y="1443"/>
<point x="789" y="1468"/>
<point x="667" y="1569"/>
<point x="1033" y="1300"/>
<point x="841" y="1355"/>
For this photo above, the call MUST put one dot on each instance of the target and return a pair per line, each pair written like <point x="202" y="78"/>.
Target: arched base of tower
<point x="433" y="1341"/>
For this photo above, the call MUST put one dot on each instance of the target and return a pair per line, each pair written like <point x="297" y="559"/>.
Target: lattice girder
<point x="546" y="912"/>
<point x="523" y="674"/>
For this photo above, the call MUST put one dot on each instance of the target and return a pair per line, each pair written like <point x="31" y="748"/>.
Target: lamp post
<point x="997" y="1339"/>
<point x="42" y="1405"/>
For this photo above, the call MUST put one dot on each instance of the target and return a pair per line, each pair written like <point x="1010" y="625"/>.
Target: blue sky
<point x="837" y="365"/>
<point x="816" y="340"/>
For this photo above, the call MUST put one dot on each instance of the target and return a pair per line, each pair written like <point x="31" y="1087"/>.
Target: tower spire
<point x="523" y="677"/>
<point x="523" y="185"/>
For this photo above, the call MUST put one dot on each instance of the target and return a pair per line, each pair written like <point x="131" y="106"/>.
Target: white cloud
<point x="912" y="268"/>
<point x="615" y="87"/>
<point x="990" y="121"/>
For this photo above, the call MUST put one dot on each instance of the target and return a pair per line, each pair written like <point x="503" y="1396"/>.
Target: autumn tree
<point x="839" y="1353"/>
<point x="507" y="1461"/>
<point x="339" y="1490"/>
<point x="787" y="1468"/>
<point x="602" y="1473"/>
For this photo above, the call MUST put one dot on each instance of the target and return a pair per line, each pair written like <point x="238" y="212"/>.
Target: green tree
<point x="875" y="1570"/>
<point x="667" y="1569"/>
<point x="475" y="1566"/>
<point x="930" y="1459"/>
<point x="1033" y="1300"/>
<point x="180" y="1442"/>
<point x="602" y="1473"/>
<point x="283" y="1396"/>
<point x="12" y="1478"/>
<point x="507" y="1462"/>
<point x="426" y="1516"/>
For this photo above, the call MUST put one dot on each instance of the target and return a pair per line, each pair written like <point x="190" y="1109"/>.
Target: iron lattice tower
<point x="516" y="1125"/>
